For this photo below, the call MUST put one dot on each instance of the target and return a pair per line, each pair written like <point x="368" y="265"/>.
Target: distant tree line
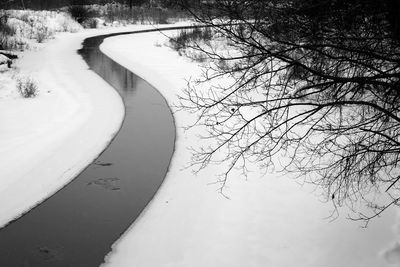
<point x="53" y="4"/>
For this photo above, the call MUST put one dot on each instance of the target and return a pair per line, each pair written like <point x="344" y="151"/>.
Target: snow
<point x="267" y="220"/>
<point x="392" y="253"/>
<point x="47" y="140"/>
<point x="27" y="28"/>
<point x="3" y="59"/>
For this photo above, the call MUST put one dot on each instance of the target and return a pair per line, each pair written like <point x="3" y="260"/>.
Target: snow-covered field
<point x="267" y="221"/>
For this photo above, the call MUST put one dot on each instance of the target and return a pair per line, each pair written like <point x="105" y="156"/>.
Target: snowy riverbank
<point x="268" y="221"/>
<point x="47" y="140"/>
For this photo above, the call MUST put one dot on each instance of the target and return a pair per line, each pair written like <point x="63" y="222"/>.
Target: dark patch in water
<point x="106" y="183"/>
<point x="48" y="254"/>
<point x="102" y="164"/>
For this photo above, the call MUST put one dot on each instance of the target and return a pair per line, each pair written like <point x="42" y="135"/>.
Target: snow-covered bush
<point x="8" y="42"/>
<point x="188" y="37"/>
<point x="64" y="23"/>
<point x="22" y="29"/>
<point x="122" y="13"/>
<point x="42" y="33"/>
<point x="27" y="87"/>
<point x="5" y="32"/>
<point x="4" y="27"/>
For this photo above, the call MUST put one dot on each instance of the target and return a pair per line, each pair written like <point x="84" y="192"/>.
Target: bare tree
<point x="316" y="83"/>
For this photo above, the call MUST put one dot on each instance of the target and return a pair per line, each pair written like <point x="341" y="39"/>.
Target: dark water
<point x="78" y="224"/>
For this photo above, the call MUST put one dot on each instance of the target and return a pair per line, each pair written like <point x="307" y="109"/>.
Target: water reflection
<point x="77" y="226"/>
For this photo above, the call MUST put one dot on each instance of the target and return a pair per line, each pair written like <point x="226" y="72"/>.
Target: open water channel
<point x="77" y="225"/>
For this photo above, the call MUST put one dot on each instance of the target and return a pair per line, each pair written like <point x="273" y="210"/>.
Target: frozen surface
<point x="267" y="221"/>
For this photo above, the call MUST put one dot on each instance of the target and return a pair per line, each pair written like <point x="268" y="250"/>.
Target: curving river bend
<point x="77" y="225"/>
